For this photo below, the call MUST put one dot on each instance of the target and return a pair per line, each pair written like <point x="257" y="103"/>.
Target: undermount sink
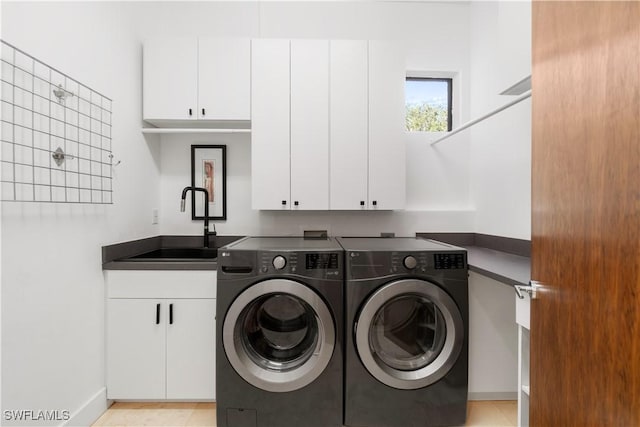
<point x="177" y="254"/>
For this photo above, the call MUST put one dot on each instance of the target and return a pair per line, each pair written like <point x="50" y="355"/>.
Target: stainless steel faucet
<point x="206" y="211"/>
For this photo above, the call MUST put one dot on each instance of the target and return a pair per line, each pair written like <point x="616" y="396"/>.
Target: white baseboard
<point x="493" y="395"/>
<point x="88" y="413"/>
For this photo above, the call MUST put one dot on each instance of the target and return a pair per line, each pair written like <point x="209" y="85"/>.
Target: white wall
<point x="176" y="164"/>
<point x="52" y="285"/>
<point x="500" y="146"/>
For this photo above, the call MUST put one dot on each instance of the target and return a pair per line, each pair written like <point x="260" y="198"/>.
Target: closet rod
<point x="479" y="119"/>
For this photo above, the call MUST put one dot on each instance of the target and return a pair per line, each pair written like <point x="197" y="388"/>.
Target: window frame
<point x="449" y="79"/>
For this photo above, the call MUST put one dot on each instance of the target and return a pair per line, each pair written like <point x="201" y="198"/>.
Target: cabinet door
<point x="170" y="78"/>
<point x="224" y="78"/>
<point x="270" y="164"/>
<point x="387" y="158"/>
<point x="349" y="124"/>
<point x="191" y="344"/>
<point x="136" y="339"/>
<point x="310" y="124"/>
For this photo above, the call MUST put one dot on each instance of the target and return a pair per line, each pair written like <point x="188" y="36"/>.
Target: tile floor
<point x="502" y="413"/>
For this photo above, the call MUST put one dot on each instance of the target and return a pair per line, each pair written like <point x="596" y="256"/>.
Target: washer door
<point x="409" y="334"/>
<point x="278" y="335"/>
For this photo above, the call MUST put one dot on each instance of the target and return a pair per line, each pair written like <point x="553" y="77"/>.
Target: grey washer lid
<point x="394" y="244"/>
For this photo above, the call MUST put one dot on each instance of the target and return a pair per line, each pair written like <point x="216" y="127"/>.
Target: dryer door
<point x="409" y="334"/>
<point x="279" y="335"/>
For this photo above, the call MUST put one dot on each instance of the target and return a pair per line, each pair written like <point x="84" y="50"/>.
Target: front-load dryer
<point x="406" y="337"/>
<point x="279" y="333"/>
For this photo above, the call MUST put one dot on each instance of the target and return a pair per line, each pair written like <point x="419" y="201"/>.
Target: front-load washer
<point x="279" y="333"/>
<point x="406" y="339"/>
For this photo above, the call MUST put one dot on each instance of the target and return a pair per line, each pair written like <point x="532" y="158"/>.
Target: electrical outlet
<point x="154" y="216"/>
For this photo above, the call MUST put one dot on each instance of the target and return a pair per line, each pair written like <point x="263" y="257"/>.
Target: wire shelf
<point x="55" y="139"/>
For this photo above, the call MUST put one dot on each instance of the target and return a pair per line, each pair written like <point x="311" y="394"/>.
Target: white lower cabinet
<point x="523" y="317"/>
<point x="191" y="350"/>
<point x="136" y="350"/>
<point x="161" y="335"/>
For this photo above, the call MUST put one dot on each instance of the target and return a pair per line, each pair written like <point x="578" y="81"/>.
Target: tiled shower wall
<point x="36" y="123"/>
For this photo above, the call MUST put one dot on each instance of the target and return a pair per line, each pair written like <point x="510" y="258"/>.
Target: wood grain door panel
<point x="585" y="324"/>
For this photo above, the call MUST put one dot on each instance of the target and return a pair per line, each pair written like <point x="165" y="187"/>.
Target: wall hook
<point x="61" y="93"/>
<point x="59" y="156"/>
<point x="116" y="163"/>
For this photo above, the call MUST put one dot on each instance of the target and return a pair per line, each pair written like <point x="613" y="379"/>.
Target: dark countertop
<point x="504" y="267"/>
<point x="114" y="257"/>
<point x="160" y="265"/>
<point x="503" y="259"/>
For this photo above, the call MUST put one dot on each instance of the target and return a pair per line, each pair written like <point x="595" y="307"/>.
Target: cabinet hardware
<point x="203" y="111"/>
<point x="157" y="314"/>
<point x="171" y="314"/>
<point x="375" y="203"/>
<point x="284" y="203"/>
<point x="296" y="203"/>
<point x="361" y="202"/>
<point x="190" y="112"/>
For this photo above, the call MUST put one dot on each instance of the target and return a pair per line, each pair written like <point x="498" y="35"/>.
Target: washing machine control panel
<point x="324" y="264"/>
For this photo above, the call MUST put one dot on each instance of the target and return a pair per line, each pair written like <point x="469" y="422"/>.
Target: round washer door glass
<point x="278" y="335"/>
<point x="409" y="334"/>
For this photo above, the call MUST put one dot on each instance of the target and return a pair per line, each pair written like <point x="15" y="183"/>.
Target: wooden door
<point x="585" y="323"/>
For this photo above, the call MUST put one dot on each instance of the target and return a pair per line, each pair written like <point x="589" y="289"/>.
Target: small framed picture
<point x="209" y="171"/>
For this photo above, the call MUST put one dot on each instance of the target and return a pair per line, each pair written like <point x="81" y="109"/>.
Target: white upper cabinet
<point x="310" y="124"/>
<point x="170" y="78"/>
<point x="224" y="78"/>
<point x="387" y="152"/>
<point x="327" y="125"/>
<point x="192" y="78"/>
<point x="349" y="124"/>
<point x="270" y="165"/>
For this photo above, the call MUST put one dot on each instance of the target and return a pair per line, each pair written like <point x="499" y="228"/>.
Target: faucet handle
<point x="182" y="205"/>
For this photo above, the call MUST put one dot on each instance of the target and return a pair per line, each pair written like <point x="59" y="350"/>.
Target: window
<point x="428" y="104"/>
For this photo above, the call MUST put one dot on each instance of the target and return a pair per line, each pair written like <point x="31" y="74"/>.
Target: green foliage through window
<point x="426" y="118"/>
<point x="428" y="104"/>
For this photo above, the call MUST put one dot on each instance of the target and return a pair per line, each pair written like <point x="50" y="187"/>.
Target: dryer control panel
<point x="365" y="264"/>
<point x="308" y="264"/>
<point x="449" y="261"/>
